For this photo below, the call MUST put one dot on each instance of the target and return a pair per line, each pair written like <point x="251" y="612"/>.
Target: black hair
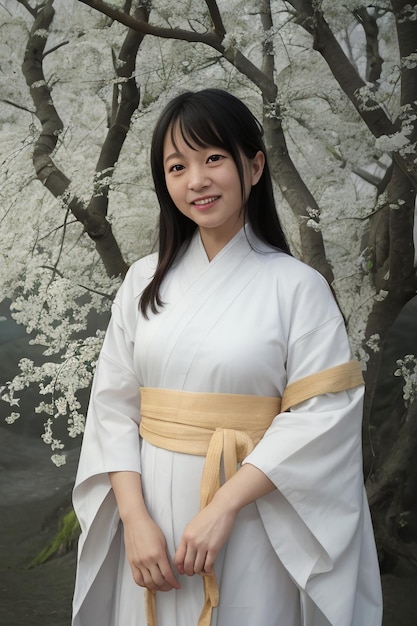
<point x="211" y="117"/>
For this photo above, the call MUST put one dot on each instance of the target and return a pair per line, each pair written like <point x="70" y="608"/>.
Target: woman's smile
<point x="205" y="203"/>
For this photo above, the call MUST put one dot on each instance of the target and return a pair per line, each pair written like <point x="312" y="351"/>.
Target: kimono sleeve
<point x="318" y="519"/>
<point x="111" y="440"/>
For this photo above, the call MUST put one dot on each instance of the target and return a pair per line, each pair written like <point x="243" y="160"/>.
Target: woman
<point x="205" y="339"/>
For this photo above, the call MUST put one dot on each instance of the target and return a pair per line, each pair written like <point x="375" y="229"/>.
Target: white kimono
<point x="249" y="322"/>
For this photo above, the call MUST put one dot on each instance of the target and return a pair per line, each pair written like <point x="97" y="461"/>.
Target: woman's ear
<point x="257" y="167"/>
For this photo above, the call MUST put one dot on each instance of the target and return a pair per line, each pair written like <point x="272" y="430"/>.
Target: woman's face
<point x="204" y="185"/>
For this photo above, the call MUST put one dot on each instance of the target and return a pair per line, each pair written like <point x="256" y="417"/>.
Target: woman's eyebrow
<point x="173" y="155"/>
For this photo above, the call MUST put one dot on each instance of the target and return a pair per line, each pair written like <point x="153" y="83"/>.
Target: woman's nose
<point x="198" y="179"/>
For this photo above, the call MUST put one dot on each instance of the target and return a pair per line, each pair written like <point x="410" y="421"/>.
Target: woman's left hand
<point x="209" y="530"/>
<point x="203" y="538"/>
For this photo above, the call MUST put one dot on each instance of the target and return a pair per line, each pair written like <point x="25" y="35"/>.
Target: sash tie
<point x="230" y="445"/>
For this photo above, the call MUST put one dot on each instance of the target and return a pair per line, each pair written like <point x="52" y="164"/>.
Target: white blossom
<point x="409" y="62"/>
<point x="391" y="143"/>
<point x="314" y="225"/>
<point x="408" y="370"/>
<point x="381" y="295"/>
<point x="59" y="459"/>
<point x="233" y="40"/>
<point x="408" y="13"/>
<point x="373" y="342"/>
<point x="37" y="84"/>
<point x="367" y="98"/>
<point x="12" y="418"/>
<point x="41" y="32"/>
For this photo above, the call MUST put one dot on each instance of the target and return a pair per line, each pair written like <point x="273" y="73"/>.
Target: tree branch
<point x="17" y="106"/>
<point x="129" y="95"/>
<point x="372" y="113"/>
<point x="52" y="126"/>
<point x="286" y="174"/>
<point x="96" y="226"/>
<point x="211" y="39"/>
<point x="216" y="18"/>
<point x="312" y="20"/>
<point x="268" y="64"/>
<point x="373" y="59"/>
<point x="28" y="7"/>
<point x="407" y="37"/>
<point x="55" y="270"/>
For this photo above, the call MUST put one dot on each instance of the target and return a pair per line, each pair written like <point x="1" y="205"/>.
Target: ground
<point x="34" y="494"/>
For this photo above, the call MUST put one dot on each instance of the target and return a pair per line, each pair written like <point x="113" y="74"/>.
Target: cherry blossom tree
<point x="335" y="86"/>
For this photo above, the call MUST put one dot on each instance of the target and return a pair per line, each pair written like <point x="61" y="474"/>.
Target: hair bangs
<point x="197" y="129"/>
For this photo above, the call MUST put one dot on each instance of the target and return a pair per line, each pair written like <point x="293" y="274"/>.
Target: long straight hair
<point x="211" y="117"/>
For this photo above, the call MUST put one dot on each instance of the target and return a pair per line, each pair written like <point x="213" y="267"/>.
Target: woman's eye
<point x="214" y="158"/>
<point x="176" y="168"/>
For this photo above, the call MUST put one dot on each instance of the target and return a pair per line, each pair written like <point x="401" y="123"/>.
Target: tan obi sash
<point x="224" y="427"/>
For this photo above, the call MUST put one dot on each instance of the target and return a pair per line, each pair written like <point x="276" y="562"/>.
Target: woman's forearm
<point x="127" y="488"/>
<point x="246" y="486"/>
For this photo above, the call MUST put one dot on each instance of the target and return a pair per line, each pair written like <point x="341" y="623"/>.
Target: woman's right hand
<point x="146" y="552"/>
<point x="145" y="545"/>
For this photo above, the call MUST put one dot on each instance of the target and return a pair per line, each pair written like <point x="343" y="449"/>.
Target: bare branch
<point x="373" y="59"/>
<point x="125" y="107"/>
<point x="268" y="64"/>
<point x="27" y="6"/>
<point x="216" y="18"/>
<point x="211" y="39"/>
<point x="54" y="270"/>
<point x="17" y="106"/>
<point x="54" y="48"/>
<point x="367" y="176"/>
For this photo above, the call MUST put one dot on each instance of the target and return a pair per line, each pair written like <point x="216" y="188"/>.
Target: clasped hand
<point x="202" y="540"/>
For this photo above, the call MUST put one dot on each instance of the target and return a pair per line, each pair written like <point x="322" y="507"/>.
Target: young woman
<point x="240" y="501"/>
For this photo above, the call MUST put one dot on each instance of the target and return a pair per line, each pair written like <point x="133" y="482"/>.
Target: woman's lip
<point x="204" y="203"/>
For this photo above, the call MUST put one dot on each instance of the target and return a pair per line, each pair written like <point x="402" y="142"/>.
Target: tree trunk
<point x="92" y="217"/>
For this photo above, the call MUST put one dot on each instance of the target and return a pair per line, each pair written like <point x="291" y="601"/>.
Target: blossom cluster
<point x="408" y="370"/>
<point x="60" y="382"/>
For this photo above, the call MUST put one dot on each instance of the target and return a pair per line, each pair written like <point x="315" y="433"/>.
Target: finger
<point x="156" y="576"/>
<point x="180" y="556"/>
<point x="208" y="568"/>
<point x="137" y="576"/>
<point x="168" y="575"/>
<point x="199" y="563"/>
<point x="189" y="561"/>
<point x="149" y="582"/>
